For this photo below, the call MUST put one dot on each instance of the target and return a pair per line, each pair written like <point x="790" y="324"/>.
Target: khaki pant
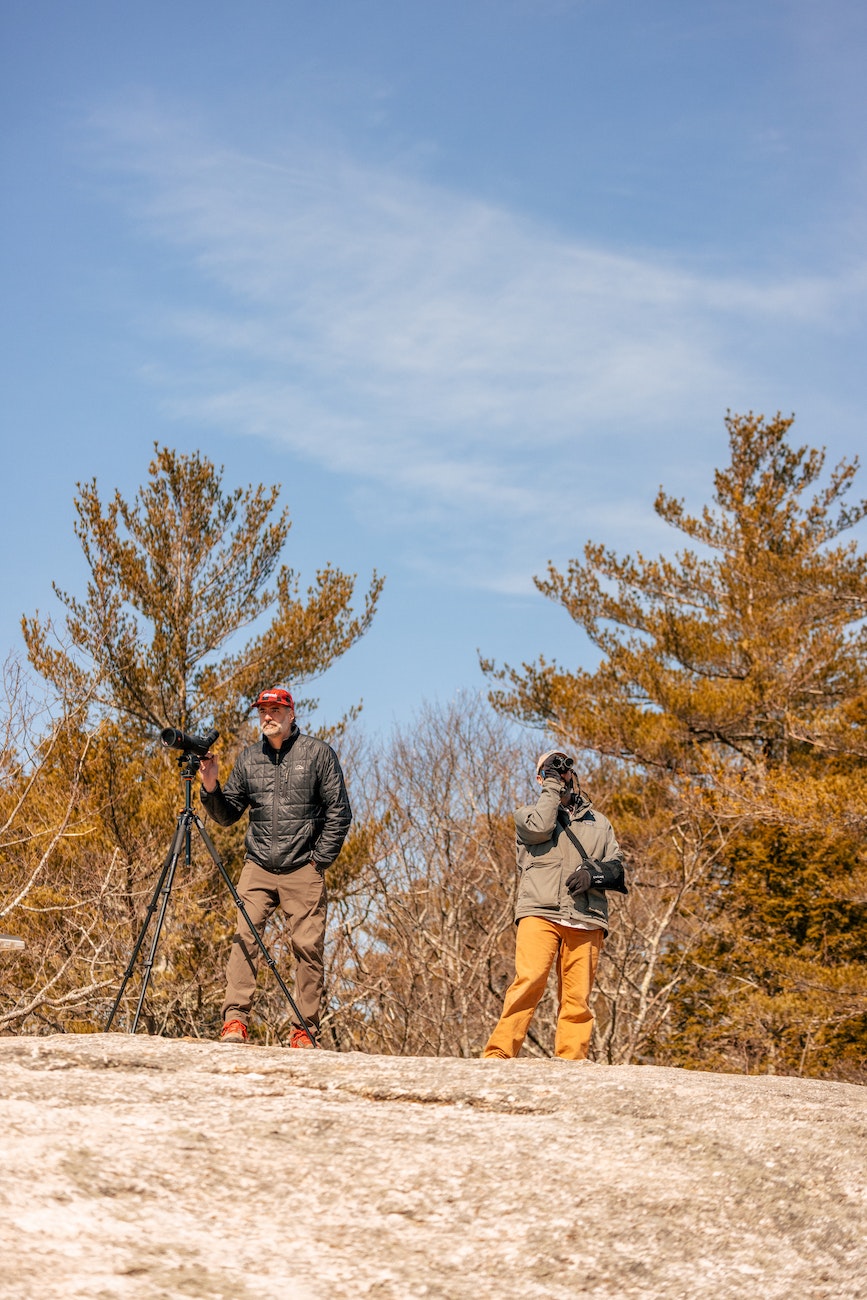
<point x="539" y="943"/>
<point x="302" y="895"/>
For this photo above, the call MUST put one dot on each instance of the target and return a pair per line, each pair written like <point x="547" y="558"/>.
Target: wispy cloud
<point x="420" y="339"/>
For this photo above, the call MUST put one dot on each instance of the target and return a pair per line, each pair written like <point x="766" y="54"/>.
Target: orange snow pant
<point x="539" y="944"/>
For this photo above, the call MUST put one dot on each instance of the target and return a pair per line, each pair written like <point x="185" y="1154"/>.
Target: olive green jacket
<point x="546" y="856"/>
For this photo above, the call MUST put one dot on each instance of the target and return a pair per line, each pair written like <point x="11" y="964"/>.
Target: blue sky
<point x="469" y="280"/>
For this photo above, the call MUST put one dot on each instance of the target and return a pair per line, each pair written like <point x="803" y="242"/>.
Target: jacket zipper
<point x="275" y="804"/>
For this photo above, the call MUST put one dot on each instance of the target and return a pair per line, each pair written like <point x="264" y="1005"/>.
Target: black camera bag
<point x="603" y="875"/>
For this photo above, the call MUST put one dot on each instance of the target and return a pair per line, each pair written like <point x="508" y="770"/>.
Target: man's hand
<point x="579" y="881"/>
<point x="599" y="875"/>
<point x="209" y="768"/>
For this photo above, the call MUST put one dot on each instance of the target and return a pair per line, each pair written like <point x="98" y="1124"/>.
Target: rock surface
<point x="144" y="1167"/>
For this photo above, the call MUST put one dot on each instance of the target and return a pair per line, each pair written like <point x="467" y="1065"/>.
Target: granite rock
<point x="145" y="1167"/>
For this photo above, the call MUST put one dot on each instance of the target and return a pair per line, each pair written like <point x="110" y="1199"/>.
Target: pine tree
<point x="174" y="577"/>
<point x="732" y="677"/>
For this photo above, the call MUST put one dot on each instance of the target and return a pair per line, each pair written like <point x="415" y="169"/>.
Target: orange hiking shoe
<point x="300" y="1038"/>
<point x="233" y="1031"/>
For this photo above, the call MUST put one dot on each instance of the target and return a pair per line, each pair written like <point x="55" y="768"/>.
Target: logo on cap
<point x="276" y="695"/>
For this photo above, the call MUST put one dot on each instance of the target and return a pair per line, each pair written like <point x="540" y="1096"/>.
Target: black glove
<point x="599" y="875"/>
<point x="579" y="881"/>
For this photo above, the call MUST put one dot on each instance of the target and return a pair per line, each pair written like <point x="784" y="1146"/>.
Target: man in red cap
<point x="293" y="787"/>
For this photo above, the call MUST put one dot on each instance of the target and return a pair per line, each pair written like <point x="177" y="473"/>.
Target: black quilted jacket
<point x="299" y="809"/>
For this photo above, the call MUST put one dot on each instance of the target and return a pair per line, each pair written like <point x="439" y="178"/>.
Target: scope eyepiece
<point x="198" y="745"/>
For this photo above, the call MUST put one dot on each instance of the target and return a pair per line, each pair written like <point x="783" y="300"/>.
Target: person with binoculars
<point x="299" y="816"/>
<point x="568" y="859"/>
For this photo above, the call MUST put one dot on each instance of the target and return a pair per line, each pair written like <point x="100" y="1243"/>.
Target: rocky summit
<point x="146" y="1167"/>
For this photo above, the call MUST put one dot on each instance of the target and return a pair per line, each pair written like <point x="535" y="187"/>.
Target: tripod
<point x="189" y="765"/>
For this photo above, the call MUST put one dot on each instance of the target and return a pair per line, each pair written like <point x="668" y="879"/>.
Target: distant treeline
<point x="722" y="731"/>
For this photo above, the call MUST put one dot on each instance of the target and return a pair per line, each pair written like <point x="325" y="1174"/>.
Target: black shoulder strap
<point x="578" y="845"/>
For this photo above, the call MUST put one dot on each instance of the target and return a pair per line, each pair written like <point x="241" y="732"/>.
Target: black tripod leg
<point x="181" y="834"/>
<point x="242" y="909"/>
<point x="171" y="857"/>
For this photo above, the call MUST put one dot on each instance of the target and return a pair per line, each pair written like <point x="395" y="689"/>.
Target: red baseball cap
<point x="275" y="695"/>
